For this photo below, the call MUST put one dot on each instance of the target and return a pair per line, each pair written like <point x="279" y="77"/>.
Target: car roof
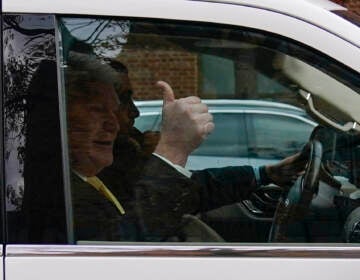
<point x="78" y="7"/>
<point x="324" y="4"/>
<point x="314" y="11"/>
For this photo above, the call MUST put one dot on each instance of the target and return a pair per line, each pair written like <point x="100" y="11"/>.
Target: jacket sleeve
<point x="223" y="186"/>
<point x="164" y="196"/>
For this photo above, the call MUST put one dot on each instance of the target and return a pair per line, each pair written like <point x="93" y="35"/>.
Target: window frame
<point x="171" y="21"/>
<point x="152" y="250"/>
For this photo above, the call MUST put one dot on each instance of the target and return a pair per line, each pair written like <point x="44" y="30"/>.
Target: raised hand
<point x="186" y="122"/>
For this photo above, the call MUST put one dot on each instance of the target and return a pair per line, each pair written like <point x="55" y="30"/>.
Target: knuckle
<point x="205" y="108"/>
<point x="181" y="106"/>
<point x="200" y="130"/>
<point x="197" y="99"/>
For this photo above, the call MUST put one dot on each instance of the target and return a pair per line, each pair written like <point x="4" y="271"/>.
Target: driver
<point x="165" y="191"/>
<point x="197" y="191"/>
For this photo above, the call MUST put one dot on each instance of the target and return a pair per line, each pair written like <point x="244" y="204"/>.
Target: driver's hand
<point x="285" y="172"/>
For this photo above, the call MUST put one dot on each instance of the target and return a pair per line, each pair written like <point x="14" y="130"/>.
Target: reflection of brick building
<point x="352" y="5"/>
<point x="178" y="68"/>
<point x="188" y="73"/>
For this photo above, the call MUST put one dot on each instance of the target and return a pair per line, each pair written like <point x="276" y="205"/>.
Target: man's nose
<point x="111" y="123"/>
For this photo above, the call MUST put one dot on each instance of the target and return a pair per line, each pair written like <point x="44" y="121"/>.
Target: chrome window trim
<point x="63" y="132"/>
<point x="150" y="114"/>
<point x="342" y="251"/>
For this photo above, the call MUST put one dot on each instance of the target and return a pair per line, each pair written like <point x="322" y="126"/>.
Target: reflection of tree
<point x="105" y="36"/>
<point x="27" y="41"/>
<point x="15" y="195"/>
<point x="24" y="48"/>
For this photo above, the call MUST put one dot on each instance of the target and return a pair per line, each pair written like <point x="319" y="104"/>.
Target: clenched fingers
<point x="199" y="108"/>
<point x="191" y="100"/>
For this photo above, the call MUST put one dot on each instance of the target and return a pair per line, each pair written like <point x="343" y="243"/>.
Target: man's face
<point x="128" y="111"/>
<point x="93" y="126"/>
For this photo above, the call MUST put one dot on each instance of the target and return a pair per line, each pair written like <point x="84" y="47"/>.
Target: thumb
<point x="168" y="94"/>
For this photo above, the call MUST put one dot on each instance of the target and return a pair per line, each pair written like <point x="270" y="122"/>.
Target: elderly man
<point x="93" y="116"/>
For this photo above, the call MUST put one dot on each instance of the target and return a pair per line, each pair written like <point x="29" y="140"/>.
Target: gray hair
<point x="84" y="68"/>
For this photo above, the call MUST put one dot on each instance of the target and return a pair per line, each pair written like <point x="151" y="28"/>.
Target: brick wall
<point x="178" y="68"/>
<point x="173" y="65"/>
<point x="352" y="5"/>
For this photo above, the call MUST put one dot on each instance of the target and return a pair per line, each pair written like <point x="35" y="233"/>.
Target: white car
<point x="300" y="53"/>
<point x="247" y="132"/>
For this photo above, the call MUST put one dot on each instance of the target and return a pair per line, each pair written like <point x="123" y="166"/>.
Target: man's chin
<point x="101" y="160"/>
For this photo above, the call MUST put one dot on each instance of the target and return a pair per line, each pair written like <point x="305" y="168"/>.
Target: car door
<point x="42" y="239"/>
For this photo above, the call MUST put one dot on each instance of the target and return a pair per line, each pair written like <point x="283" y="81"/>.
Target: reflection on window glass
<point x="129" y="180"/>
<point x="277" y="136"/>
<point x="218" y="76"/>
<point x="228" y="139"/>
<point x="148" y="122"/>
<point x="33" y="165"/>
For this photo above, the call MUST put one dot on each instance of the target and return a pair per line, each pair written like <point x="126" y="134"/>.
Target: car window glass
<point x="278" y="136"/>
<point x="148" y="122"/>
<point x="132" y="183"/>
<point x="35" y="210"/>
<point x="228" y="140"/>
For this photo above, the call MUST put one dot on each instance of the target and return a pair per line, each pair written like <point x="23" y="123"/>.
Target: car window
<point x="229" y="138"/>
<point x="135" y="176"/>
<point x="35" y="209"/>
<point x="278" y="136"/>
<point x="103" y="169"/>
<point x="148" y="122"/>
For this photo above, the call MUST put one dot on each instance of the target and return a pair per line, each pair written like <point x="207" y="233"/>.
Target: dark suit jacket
<point x="155" y="195"/>
<point x="163" y="195"/>
<point x="96" y="218"/>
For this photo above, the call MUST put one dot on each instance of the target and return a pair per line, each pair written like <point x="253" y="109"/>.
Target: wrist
<point x="174" y="155"/>
<point x="265" y="174"/>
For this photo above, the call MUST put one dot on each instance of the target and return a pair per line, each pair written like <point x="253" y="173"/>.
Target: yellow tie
<point x="99" y="185"/>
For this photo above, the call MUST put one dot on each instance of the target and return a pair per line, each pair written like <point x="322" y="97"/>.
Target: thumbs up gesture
<point x="186" y="122"/>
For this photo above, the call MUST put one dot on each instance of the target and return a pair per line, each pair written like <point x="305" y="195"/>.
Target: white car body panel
<point x="179" y="268"/>
<point x="295" y="19"/>
<point x="85" y="262"/>
<point x="298" y="20"/>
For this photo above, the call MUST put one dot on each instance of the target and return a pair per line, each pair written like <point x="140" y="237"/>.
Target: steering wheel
<point x="294" y="203"/>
